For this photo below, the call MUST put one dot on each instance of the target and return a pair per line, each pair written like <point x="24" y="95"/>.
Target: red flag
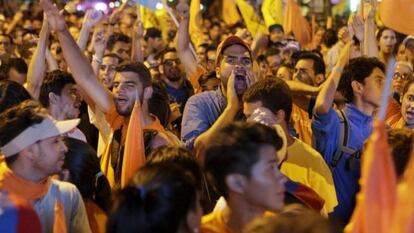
<point x="377" y="199"/>
<point x="134" y="154"/>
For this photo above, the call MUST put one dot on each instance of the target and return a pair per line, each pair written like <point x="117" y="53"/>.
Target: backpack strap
<point x="342" y="146"/>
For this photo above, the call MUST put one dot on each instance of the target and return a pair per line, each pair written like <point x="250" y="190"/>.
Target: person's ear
<point x="280" y="116"/>
<point x="236" y="183"/>
<point x="218" y="74"/>
<point x="53" y="98"/>
<point x="357" y="87"/>
<point x="319" y="79"/>
<point x="148" y="92"/>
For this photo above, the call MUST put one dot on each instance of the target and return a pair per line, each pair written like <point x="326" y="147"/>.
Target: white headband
<point x="46" y="129"/>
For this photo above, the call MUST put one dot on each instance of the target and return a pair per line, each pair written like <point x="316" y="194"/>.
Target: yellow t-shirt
<point x="302" y="124"/>
<point x="306" y="166"/>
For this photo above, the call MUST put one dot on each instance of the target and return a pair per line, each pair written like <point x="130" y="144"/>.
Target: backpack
<point x="342" y="146"/>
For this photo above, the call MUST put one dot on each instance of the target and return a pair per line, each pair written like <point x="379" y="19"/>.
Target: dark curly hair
<point x="357" y="70"/>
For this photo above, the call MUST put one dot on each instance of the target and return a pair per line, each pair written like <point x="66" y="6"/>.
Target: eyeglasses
<point x="169" y="62"/>
<point x="402" y="76"/>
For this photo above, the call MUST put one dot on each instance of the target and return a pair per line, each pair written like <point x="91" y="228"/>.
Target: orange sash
<point x="30" y="191"/>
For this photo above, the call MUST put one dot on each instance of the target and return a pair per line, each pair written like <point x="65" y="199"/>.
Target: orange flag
<point x="134" y="154"/>
<point x="295" y="22"/>
<point x="397" y="14"/>
<point x="377" y="199"/>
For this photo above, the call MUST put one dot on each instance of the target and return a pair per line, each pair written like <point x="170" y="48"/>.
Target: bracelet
<point x="96" y="59"/>
<point x="337" y="69"/>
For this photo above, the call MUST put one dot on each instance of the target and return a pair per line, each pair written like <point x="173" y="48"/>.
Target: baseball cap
<point x="229" y="41"/>
<point x="49" y="127"/>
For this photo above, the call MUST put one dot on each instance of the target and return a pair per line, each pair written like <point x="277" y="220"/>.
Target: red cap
<point x="229" y="41"/>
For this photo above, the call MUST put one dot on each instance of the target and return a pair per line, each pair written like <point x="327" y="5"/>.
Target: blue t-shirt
<point x="325" y="139"/>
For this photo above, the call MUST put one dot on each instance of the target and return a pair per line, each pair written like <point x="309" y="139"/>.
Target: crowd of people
<point x="239" y="131"/>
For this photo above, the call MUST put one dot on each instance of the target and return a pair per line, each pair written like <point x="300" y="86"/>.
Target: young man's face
<point x="373" y="87"/>
<point x="69" y="101"/>
<point x="172" y="67"/>
<point x="6" y="45"/>
<point x="237" y="58"/>
<point x="276" y="35"/>
<point x="122" y="49"/>
<point x="273" y="62"/>
<point x="402" y="74"/>
<point x="156" y="43"/>
<point x="266" y="177"/>
<point x="210" y="59"/>
<point x="126" y="86"/>
<point x="49" y="155"/>
<point x="304" y="72"/>
<point x="407" y="106"/>
<point x="107" y="71"/>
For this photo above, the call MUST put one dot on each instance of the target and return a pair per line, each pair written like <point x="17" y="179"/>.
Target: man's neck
<point x="174" y="84"/>
<point x="56" y="112"/>
<point x="364" y="107"/>
<point x="240" y="213"/>
<point x="290" y="139"/>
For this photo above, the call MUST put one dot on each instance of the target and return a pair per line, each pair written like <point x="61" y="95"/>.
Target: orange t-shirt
<point x="302" y="124"/>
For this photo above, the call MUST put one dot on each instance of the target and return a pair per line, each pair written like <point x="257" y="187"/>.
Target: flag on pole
<point x="195" y="21"/>
<point x="272" y="11"/>
<point x="253" y="22"/>
<point x="295" y="22"/>
<point x="134" y="154"/>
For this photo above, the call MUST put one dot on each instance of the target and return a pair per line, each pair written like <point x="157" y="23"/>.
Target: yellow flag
<point x="229" y="12"/>
<point x="148" y="18"/>
<point x="253" y="22"/>
<point x="195" y="21"/>
<point x="272" y="11"/>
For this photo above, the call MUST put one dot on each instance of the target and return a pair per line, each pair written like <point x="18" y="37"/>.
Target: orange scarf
<point x="31" y="192"/>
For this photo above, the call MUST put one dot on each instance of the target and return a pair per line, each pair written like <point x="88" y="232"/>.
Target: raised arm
<point x="183" y="49"/>
<point x="77" y="62"/>
<point x="325" y="98"/>
<point x="370" y="42"/>
<point x="302" y="93"/>
<point x="37" y="65"/>
<point x="99" y="45"/>
<point x="92" y="17"/>
<point x="137" y="53"/>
